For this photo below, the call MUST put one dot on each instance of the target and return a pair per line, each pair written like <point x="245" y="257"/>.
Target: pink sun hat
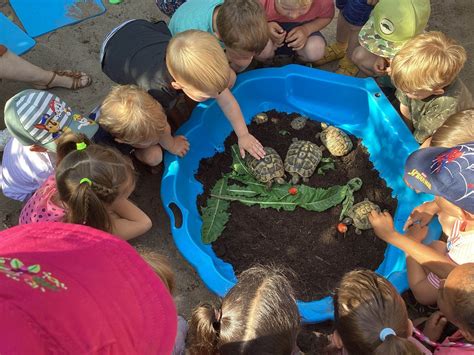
<point x="71" y="289"/>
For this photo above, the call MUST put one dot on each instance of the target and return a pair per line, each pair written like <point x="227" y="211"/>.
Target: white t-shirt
<point x="24" y="171"/>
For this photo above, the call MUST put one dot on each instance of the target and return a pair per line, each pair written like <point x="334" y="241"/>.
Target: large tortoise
<point x="358" y="215"/>
<point x="268" y="169"/>
<point x="302" y="159"/>
<point x="336" y="141"/>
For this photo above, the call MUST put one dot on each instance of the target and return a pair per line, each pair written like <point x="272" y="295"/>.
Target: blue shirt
<point x="194" y="15"/>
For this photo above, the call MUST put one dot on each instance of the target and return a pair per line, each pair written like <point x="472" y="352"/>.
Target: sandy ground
<point x="77" y="47"/>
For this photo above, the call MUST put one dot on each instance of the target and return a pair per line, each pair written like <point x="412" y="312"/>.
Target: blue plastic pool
<point x="355" y="105"/>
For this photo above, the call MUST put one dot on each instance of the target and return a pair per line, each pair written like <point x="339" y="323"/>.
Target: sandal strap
<point x="76" y="78"/>
<point x="48" y="85"/>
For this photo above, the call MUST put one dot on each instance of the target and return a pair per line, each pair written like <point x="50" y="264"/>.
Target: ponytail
<point x="395" y="345"/>
<point x="67" y="143"/>
<point x="204" y="330"/>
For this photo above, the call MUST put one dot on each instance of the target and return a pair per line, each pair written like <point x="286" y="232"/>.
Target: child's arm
<point x="177" y="145"/>
<point x="422" y="214"/>
<point x="298" y="36"/>
<point x="128" y="221"/>
<point x="231" y="109"/>
<point x="429" y="258"/>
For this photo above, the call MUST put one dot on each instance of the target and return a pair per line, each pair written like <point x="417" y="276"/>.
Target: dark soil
<point x="306" y="242"/>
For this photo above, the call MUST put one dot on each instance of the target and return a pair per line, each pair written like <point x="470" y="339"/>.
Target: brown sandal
<point x="76" y="80"/>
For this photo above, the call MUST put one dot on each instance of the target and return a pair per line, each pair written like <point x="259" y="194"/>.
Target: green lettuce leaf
<point x="215" y="215"/>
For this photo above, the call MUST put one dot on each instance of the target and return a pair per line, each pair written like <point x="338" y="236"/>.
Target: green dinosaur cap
<point x="392" y="23"/>
<point x="39" y="117"/>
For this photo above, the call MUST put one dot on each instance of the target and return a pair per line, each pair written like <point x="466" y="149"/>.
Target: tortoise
<point x="268" y="169"/>
<point x="358" y="215"/>
<point x="260" y="118"/>
<point x="298" y="122"/>
<point x="302" y="159"/>
<point x="336" y="141"/>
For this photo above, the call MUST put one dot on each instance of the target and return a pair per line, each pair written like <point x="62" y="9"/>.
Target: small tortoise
<point x="268" y="169"/>
<point x="302" y="159"/>
<point x="358" y="215"/>
<point x="260" y="118"/>
<point x="298" y="122"/>
<point x="336" y="141"/>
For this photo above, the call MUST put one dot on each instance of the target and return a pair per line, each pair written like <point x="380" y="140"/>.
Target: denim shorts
<point x="356" y="12"/>
<point x="288" y="26"/>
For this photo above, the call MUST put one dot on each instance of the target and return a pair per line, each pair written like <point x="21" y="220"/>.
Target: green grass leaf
<point x="215" y="215"/>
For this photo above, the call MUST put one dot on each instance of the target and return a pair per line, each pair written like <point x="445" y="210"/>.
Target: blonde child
<point x="370" y="317"/>
<point x="91" y="186"/>
<point x="447" y="174"/>
<point x="295" y="26"/>
<point x="425" y="72"/>
<point x="137" y="122"/>
<point x="456" y="304"/>
<point x="258" y="316"/>
<point x="142" y="53"/>
<point x="390" y="26"/>
<point x="239" y="25"/>
<point x="457" y="129"/>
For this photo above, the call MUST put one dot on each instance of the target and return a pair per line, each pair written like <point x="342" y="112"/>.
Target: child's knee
<point x="313" y="49"/>
<point x="424" y="292"/>
<point x="151" y="156"/>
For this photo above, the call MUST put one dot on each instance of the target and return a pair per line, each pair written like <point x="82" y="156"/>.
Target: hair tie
<point x="81" y="146"/>
<point x="385" y="332"/>
<point x="85" y="180"/>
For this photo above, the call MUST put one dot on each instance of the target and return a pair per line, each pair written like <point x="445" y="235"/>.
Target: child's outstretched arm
<point x="231" y="109"/>
<point x="433" y="260"/>
<point x="177" y="145"/>
<point x="128" y="221"/>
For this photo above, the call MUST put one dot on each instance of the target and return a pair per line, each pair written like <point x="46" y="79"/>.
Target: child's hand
<point x="277" y="34"/>
<point x="297" y="38"/>
<point x="180" y="146"/>
<point x="381" y="66"/>
<point x="382" y="222"/>
<point x="250" y="144"/>
<point x="421" y="215"/>
<point x="435" y="325"/>
<point x="417" y="232"/>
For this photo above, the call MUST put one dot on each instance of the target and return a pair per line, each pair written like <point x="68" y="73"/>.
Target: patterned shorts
<point x="168" y="7"/>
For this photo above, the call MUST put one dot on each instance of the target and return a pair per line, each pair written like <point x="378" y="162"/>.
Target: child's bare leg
<point x="267" y="53"/>
<point x="13" y="67"/>
<point x="337" y="49"/>
<point x="422" y="289"/>
<point x="365" y="60"/>
<point x="313" y="49"/>
<point x="151" y="156"/>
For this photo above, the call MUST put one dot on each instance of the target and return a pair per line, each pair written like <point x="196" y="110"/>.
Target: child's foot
<point x="347" y="67"/>
<point x="68" y="79"/>
<point x="332" y="52"/>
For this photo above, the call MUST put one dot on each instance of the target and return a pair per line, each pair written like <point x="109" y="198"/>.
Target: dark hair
<point x="258" y="316"/>
<point x="366" y="303"/>
<point x="107" y="172"/>
<point x="242" y="25"/>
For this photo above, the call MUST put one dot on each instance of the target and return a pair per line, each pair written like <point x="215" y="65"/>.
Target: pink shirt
<point x="457" y="337"/>
<point x="319" y="9"/>
<point x="40" y="207"/>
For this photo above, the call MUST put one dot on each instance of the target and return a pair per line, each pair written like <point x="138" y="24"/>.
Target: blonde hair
<point x="160" y="265"/>
<point x="366" y="303"/>
<point x="130" y="114"/>
<point x="196" y="58"/>
<point x="258" y="316"/>
<point x="242" y="25"/>
<point x="429" y="61"/>
<point x="457" y="129"/>
<point x="300" y="3"/>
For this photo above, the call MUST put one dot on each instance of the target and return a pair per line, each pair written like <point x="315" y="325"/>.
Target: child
<point x="134" y="53"/>
<point x="240" y="25"/>
<point x="353" y="14"/>
<point x="70" y="289"/>
<point x="447" y="174"/>
<point x="137" y="122"/>
<point x="457" y="129"/>
<point x="258" y="316"/>
<point x="425" y="72"/>
<point x="371" y="318"/>
<point x="295" y="26"/>
<point x="456" y="304"/>
<point x="390" y="26"/>
<point x="91" y="186"/>
<point x="36" y="119"/>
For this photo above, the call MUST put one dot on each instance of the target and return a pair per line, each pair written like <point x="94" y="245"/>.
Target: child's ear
<point x="176" y="85"/>
<point x="118" y="140"/>
<point x="438" y="92"/>
<point x="38" y="149"/>
<point x="218" y="36"/>
<point x="336" y="340"/>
